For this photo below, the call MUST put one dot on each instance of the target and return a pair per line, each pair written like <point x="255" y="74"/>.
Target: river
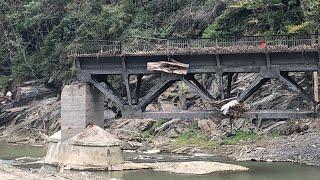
<point x="258" y="170"/>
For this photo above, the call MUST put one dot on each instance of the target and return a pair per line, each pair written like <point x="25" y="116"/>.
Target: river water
<point x="258" y="170"/>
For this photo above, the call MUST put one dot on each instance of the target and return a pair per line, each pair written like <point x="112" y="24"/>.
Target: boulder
<point x="207" y="125"/>
<point x="29" y="93"/>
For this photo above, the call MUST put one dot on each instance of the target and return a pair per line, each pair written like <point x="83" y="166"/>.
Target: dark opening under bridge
<point x="271" y="57"/>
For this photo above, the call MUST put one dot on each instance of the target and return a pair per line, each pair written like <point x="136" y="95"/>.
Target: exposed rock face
<point x="29" y="93"/>
<point x="32" y="122"/>
<point x="32" y="90"/>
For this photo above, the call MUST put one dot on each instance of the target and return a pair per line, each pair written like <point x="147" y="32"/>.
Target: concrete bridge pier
<point x="81" y="105"/>
<point x="82" y="142"/>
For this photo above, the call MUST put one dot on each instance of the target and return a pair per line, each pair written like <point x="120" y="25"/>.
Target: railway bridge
<point x="272" y="57"/>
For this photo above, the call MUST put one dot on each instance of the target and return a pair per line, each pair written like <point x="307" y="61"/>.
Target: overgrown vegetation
<point x="4" y="82"/>
<point x="36" y="34"/>
<point x="194" y="136"/>
<point x="241" y="136"/>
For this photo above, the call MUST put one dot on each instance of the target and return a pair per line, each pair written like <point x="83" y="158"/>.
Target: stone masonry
<point x="81" y="104"/>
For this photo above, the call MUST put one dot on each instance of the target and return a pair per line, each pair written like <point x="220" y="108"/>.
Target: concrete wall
<point x="81" y="104"/>
<point x="78" y="157"/>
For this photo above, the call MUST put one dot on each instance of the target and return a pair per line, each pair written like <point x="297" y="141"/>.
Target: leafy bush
<point x="36" y="33"/>
<point x="4" y="82"/>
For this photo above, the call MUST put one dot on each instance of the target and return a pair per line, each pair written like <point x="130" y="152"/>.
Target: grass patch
<point x="273" y="134"/>
<point x="193" y="136"/>
<point x="4" y="82"/>
<point x="240" y="136"/>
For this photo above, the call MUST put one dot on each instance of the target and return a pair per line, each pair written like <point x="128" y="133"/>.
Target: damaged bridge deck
<point x="270" y="57"/>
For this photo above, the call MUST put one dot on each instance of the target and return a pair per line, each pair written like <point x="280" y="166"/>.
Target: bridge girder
<point x="267" y="66"/>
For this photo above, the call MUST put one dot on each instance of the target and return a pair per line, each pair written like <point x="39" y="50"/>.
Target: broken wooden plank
<point x="168" y="67"/>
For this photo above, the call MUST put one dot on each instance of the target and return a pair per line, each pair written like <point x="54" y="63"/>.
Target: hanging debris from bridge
<point x="173" y="67"/>
<point x="225" y="108"/>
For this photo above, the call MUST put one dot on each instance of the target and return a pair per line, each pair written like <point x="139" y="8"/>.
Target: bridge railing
<point x="139" y="45"/>
<point x="93" y="48"/>
<point x="245" y="44"/>
<point x="293" y="43"/>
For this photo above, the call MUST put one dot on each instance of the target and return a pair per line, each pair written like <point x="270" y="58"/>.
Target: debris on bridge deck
<point x="173" y="67"/>
<point x="219" y="45"/>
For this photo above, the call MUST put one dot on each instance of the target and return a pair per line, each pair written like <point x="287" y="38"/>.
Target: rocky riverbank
<point x="299" y="141"/>
<point x="35" y="115"/>
<point x="299" y="148"/>
<point x="301" y="145"/>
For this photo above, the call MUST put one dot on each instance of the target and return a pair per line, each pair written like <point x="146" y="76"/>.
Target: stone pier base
<point x="82" y="142"/>
<point x="92" y="148"/>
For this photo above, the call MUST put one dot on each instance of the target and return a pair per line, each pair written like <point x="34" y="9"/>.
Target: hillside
<point x="36" y="35"/>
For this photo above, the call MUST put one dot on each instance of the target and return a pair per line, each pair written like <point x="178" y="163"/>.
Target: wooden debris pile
<point x="236" y="49"/>
<point x="173" y="67"/>
<point x="152" y="46"/>
<point x="237" y="111"/>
